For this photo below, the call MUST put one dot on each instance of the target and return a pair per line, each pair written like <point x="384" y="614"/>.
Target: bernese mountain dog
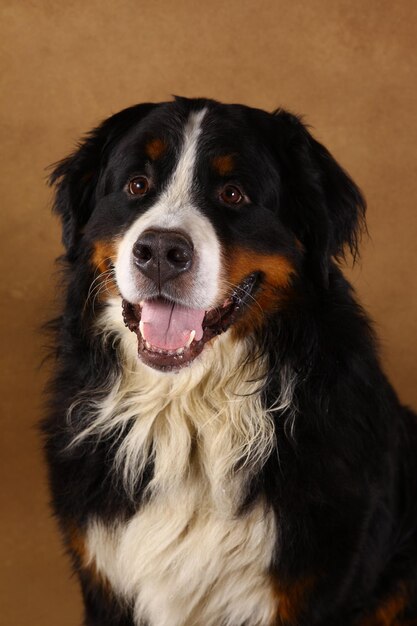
<point x="223" y="445"/>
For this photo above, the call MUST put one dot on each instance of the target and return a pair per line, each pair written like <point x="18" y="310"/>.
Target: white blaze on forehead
<point x="175" y="209"/>
<point x="181" y="182"/>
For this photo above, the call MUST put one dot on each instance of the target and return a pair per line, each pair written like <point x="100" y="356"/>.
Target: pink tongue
<point x="168" y="326"/>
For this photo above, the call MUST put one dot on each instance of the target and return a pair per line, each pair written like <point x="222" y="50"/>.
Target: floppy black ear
<point x="76" y="176"/>
<point x="320" y="202"/>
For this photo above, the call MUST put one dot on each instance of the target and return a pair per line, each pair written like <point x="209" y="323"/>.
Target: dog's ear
<point x="76" y="176"/>
<point x="319" y="201"/>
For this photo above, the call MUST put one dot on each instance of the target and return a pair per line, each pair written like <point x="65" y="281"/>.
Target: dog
<point x="224" y="448"/>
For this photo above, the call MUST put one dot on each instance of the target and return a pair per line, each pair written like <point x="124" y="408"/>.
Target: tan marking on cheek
<point x="103" y="258"/>
<point x="104" y="254"/>
<point x="155" y="149"/>
<point x="388" y="612"/>
<point x="223" y="164"/>
<point x="277" y="272"/>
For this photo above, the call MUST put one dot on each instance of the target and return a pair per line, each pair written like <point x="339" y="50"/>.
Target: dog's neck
<point x="209" y="416"/>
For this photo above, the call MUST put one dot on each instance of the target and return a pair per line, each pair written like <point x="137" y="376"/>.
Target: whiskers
<point x="100" y="285"/>
<point x="245" y="292"/>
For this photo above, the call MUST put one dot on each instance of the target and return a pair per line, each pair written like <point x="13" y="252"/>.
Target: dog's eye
<point x="231" y="195"/>
<point x="138" y="186"/>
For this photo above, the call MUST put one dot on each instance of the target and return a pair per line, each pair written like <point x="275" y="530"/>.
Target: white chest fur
<point x="186" y="558"/>
<point x="183" y="563"/>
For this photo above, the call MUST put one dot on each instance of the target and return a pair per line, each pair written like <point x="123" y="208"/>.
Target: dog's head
<point x="203" y="216"/>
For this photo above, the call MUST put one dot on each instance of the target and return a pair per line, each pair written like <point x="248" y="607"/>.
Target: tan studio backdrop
<point x="348" y="66"/>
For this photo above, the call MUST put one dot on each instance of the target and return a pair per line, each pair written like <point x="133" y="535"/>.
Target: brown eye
<point x="231" y="195"/>
<point x="139" y="186"/>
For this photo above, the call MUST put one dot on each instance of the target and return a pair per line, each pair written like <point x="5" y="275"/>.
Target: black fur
<point x="343" y="481"/>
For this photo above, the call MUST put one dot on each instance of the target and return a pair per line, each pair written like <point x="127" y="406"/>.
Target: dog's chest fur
<point x="187" y="557"/>
<point x="183" y="562"/>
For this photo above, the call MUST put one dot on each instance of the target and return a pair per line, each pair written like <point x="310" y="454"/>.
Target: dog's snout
<point x="162" y="255"/>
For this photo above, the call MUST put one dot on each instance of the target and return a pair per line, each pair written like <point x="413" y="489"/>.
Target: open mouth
<point x="170" y="335"/>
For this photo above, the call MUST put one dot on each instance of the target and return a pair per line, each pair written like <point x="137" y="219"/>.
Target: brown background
<point x="348" y="66"/>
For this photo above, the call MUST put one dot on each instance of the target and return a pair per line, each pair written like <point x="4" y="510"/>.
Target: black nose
<point x="162" y="254"/>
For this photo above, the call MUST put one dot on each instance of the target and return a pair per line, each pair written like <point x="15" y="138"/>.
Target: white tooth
<point x="180" y="350"/>
<point x="190" y="339"/>
<point x="141" y="328"/>
<point x="148" y="345"/>
<point x="141" y="303"/>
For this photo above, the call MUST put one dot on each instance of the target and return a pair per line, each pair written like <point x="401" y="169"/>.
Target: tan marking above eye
<point x="155" y="148"/>
<point x="223" y="164"/>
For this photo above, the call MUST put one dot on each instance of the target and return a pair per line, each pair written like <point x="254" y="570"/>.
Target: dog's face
<point x="203" y="216"/>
